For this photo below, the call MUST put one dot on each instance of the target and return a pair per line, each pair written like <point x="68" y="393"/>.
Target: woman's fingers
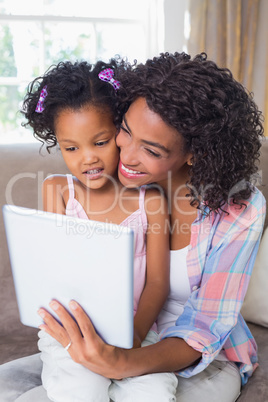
<point x="86" y="346"/>
<point x="95" y="354"/>
<point x="76" y="329"/>
<point x="66" y="320"/>
<point x="64" y="332"/>
<point x="84" y="322"/>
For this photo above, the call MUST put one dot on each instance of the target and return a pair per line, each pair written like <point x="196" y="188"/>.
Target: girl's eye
<point x="152" y="153"/>
<point x="71" y="149"/>
<point x="101" y="143"/>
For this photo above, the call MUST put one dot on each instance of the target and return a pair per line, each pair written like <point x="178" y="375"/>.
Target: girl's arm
<point x="52" y="194"/>
<point x="157" y="266"/>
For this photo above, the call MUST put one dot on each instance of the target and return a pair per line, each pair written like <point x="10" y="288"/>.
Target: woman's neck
<point x="175" y="184"/>
<point x="182" y="213"/>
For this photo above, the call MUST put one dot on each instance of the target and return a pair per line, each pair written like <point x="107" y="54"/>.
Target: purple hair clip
<point x="40" y="104"/>
<point x="107" y="75"/>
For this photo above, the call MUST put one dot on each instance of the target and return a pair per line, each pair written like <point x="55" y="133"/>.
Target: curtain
<point x="234" y="33"/>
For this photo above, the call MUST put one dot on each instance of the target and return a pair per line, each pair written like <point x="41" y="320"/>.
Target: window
<point x="36" y="34"/>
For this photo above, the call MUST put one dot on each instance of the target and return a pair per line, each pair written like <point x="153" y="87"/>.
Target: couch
<point x="23" y="168"/>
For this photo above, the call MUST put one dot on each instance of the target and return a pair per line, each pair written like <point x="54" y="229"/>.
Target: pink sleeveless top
<point x="136" y="221"/>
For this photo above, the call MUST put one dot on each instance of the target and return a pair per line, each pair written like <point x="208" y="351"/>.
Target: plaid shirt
<point x="221" y="255"/>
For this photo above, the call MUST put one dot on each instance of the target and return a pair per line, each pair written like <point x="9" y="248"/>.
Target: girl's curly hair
<point x="218" y="119"/>
<point x="69" y="86"/>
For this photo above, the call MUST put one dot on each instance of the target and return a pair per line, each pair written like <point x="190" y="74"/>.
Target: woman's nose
<point x="128" y="150"/>
<point x="129" y="155"/>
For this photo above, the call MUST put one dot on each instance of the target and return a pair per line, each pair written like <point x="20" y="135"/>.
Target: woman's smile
<point x="129" y="172"/>
<point x="149" y="148"/>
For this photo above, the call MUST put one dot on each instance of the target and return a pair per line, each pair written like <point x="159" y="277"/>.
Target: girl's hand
<point x="86" y="348"/>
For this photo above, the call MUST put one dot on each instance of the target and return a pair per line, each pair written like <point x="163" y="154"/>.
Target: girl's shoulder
<point x="54" y="193"/>
<point x="152" y="197"/>
<point x="155" y="206"/>
<point x="155" y="200"/>
<point x="56" y="182"/>
<point x="128" y="198"/>
<point x="56" y="178"/>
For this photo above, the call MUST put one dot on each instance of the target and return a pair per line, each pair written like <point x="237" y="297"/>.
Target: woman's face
<point x="149" y="148"/>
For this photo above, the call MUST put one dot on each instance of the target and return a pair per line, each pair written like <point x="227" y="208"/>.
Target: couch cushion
<point x="263" y="172"/>
<point x="255" y="306"/>
<point x="23" y="168"/>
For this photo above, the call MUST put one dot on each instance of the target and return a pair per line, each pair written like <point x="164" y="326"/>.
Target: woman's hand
<point x="86" y="348"/>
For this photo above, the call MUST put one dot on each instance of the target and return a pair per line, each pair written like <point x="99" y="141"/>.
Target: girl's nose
<point x="90" y="157"/>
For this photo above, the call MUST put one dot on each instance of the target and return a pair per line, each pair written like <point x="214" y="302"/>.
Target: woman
<point x="191" y="129"/>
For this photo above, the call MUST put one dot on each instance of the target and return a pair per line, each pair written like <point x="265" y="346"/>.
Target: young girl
<point x="73" y="105"/>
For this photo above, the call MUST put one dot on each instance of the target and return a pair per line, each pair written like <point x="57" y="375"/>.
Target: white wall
<point x="174" y="11"/>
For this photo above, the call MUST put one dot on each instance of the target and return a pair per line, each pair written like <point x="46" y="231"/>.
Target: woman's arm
<point x="206" y="332"/>
<point x="88" y="349"/>
<point x="220" y="262"/>
<point x="156" y="287"/>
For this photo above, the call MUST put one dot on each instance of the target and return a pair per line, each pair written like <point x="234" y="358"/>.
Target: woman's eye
<point x="124" y="129"/>
<point x="152" y="153"/>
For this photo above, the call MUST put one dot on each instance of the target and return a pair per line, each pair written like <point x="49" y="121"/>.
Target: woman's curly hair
<point x="69" y="86"/>
<point x="218" y="119"/>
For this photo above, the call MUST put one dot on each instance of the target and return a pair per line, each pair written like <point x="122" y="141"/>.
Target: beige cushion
<point x="255" y="307"/>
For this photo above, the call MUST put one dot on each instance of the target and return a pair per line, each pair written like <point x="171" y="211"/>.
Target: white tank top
<point x="179" y="289"/>
<point x="178" y="294"/>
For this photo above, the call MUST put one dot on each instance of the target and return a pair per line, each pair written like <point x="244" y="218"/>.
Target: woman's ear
<point x="190" y="160"/>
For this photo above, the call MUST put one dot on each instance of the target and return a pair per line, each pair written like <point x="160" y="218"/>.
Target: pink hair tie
<point x="40" y="104"/>
<point x="107" y="75"/>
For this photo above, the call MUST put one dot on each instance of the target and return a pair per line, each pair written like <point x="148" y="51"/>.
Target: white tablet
<point x="58" y="257"/>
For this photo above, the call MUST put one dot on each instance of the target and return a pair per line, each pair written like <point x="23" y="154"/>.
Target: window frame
<point x="52" y="18"/>
<point x="149" y="22"/>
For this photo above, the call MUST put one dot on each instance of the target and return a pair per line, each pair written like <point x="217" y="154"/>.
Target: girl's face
<point x="87" y="141"/>
<point x="149" y="148"/>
